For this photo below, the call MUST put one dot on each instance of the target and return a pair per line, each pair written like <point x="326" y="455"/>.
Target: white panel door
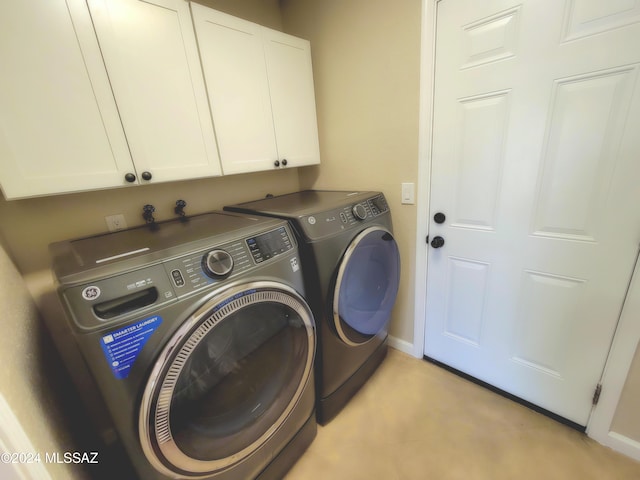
<point x="292" y="94"/>
<point x="235" y="72"/>
<point x="59" y="126"/>
<point x="536" y="162"/>
<point x="150" y="51"/>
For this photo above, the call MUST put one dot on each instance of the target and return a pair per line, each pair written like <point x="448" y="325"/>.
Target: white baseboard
<point x="402" y="345"/>
<point x="622" y="444"/>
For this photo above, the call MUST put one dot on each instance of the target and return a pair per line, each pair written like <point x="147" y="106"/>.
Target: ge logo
<point x="91" y="293"/>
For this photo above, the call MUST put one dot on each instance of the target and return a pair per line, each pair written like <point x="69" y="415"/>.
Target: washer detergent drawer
<point x="112" y="299"/>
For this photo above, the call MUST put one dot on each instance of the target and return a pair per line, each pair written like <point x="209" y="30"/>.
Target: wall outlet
<point x="115" y="222"/>
<point x="408" y="193"/>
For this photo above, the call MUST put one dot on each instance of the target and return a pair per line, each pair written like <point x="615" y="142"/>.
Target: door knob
<point x="437" y="242"/>
<point x="439" y="217"/>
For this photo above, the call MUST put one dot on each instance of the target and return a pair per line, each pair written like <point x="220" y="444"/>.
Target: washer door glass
<point x="227" y="379"/>
<point x="366" y="286"/>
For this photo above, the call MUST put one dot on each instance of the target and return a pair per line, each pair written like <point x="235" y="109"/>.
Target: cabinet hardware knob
<point x="130" y="177"/>
<point x="284" y="162"/>
<point x="276" y="163"/>
<point x="146" y="175"/>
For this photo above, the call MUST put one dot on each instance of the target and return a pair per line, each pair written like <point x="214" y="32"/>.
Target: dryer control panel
<point x="334" y="221"/>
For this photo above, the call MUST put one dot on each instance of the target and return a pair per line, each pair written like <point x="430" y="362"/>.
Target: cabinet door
<point x="59" y="126"/>
<point x="292" y="97"/>
<point x="235" y="73"/>
<point x="150" y="51"/>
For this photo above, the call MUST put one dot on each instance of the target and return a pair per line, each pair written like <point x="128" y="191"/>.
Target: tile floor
<point x="416" y="421"/>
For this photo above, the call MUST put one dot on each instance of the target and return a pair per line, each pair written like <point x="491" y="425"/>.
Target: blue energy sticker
<point x="122" y="347"/>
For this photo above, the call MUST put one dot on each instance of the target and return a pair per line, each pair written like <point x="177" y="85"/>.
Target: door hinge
<point x="596" y="394"/>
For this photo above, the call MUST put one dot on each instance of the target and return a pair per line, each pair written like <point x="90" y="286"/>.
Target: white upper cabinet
<point x="235" y="73"/>
<point x="59" y="126"/>
<point x="292" y="97"/>
<point x="261" y="94"/>
<point x="149" y="48"/>
<point x="108" y="93"/>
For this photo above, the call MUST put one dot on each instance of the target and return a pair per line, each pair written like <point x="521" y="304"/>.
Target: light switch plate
<point x="408" y="193"/>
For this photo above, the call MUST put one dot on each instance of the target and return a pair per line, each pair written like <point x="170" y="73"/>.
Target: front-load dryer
<point x="351" y="264"/>
<point x="200" y="341"/>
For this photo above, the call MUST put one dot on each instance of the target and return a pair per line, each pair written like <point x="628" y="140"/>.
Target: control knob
<point x="359" y="211"/>
<point x="217" y="263"/>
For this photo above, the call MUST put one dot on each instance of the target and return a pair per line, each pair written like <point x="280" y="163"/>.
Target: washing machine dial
<point x="217" y="263"/>
<point x="359" y="211"/>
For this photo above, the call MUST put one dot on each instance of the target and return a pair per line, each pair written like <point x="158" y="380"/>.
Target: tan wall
<point x="626" y="420"/>
<point x="28" y="226"/>
<point x="31" y="385"/>
<point x="264" y="12"/>
<point x="366" y="62"/>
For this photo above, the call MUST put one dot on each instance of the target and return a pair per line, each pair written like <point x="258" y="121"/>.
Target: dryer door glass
<point x="366" y="286"/>
<point x="230" y="381"/>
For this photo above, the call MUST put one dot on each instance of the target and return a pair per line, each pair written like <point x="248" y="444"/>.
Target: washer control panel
<point x="202" y="268"/>
<point x="199" y="269"/>
<point x="112" y="298"/>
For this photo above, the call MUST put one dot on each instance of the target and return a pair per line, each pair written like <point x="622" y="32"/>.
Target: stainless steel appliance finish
<point x="200" y="341"/>
<point x="351" y="265"/>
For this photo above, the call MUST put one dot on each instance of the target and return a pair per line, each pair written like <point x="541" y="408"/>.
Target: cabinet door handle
<point x="284" y="162"/>
<point x="130" y="177"/>
<point x="276" y="163"/>
<point x="146" y="175"/>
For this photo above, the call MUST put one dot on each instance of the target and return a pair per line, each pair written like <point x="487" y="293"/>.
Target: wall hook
<point x="179" y="209"/>
<point x="147" y="214"/>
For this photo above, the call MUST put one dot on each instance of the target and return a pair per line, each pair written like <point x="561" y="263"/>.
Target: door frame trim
<point x="616" y="370"/>
<point x="425" y="137"/>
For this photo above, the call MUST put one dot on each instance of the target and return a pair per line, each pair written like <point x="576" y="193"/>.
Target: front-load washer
<point x="200" y="341"/>
<point x="352" y="272"/>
